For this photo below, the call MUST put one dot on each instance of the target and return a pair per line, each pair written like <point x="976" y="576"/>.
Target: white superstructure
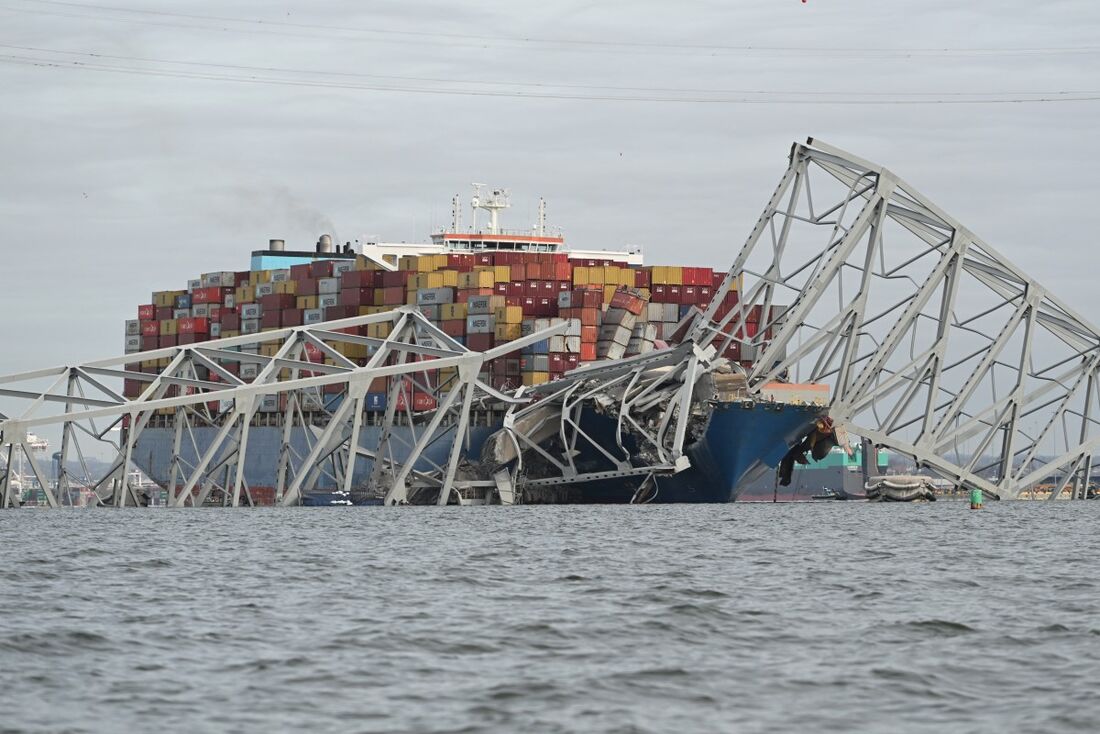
<point x="491" y="237"/>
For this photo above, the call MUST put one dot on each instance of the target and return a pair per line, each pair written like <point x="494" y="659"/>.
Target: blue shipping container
<point x="183" y="301"/>
<point x="376" y="401"/>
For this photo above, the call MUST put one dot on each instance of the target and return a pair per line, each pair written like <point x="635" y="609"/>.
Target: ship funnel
<point x="276" y="245"/>
<point x="324" y="244"/>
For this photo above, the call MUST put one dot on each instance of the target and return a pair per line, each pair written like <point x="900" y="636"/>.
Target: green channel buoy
<point x="976" y="499"/>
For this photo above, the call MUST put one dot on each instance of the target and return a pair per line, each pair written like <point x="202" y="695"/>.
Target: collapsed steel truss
<point x="651" y="397"/>
<point x="199" y="392"/>
<point x="933" y="343"/>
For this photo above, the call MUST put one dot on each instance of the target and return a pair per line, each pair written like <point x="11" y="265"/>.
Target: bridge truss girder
<point x="200" y="392"/>
<point x="933" y="343"/>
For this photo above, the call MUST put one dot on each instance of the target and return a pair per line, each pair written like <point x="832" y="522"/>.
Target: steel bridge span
<point x="933" y="344"/>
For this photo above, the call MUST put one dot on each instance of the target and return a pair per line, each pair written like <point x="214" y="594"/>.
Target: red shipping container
<point x="547" y="307"/>
<point x="240" y="278"/>
<point x="149" y="343"/>
<point x="513" y="301"/>
<point x="277" y="301"/>
<point x="716" y="279"/>
<point x="689" y="294"/>
<point x="357" y="279"/>
<point x="705" y="294"/>
<point x="517" y="271"/>
<point x="588" y="298"/>
<point x="272" y="319"/>
<point x="168" y="340"/>
<point x="394" y="296"/>
<point x="675" y="293"/>
<point x="454" y="327"/>
<point x="557" y="362"/>
<point x="164" y="313"/>
<point x="147" y="312"/>
<point x="357" y="297"/>
<point x="627" y="301"/>
<point x="190" y="338"/>
<point x="483" y="259"/>
<point x="588" y="351"/>
<point x="320" y="269"/>
<point x="590" y="334"/>
<point x="306" y="287"/>
<point x="298" y="272"/>
<point x="479" y="342"/>
<point x="531" y="289"/>
<point x="213" y="294"/>
<point x="500" y="289"/>
<point x="194" y="325"/>
<point x="150" y="328"/>
<point x="641" y="278"/>
<point x="396" y="278"/>
<point x="216" y="314"/>
<point x="231" y="321"/>
<point x="340" y="312"/>
<point x="292" y="317"/>
<point x="571" y="361"/>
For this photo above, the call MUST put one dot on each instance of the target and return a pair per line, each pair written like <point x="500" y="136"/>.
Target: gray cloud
<point x="120" y="184"/>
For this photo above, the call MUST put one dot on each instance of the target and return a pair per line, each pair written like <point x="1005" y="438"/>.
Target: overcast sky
<point x="119" y="183"/>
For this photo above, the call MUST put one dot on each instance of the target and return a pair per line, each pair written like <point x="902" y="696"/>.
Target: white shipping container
<point x="573" y="344"/>
<point x="133" y="327"/>
<point x="249" y="370"/>
<point x="328" y="285"/>
<point x="229" y="300"/>
<point x="280" y="276"/>
<point x="556" y="344"/>
<point x="328" y="300"/>
<point x="264" y="289"/>
<point x="250" y="311"/>
<point x="201" y="309"/>
<point x="193" y="284"/>
<point x="313" y="315"/>
<point x="215" y="330"/>
<point x="133" y="344"/>
<point x="611" y="350"/>
<point x="250" y="326"/>
<point x="342" y="267"/>
<point x="181" y="313"/>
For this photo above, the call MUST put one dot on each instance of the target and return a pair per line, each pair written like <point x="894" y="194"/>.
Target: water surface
<point x="826" y="617"/>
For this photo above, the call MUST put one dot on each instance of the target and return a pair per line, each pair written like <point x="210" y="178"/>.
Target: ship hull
<point x="740" y="442"/>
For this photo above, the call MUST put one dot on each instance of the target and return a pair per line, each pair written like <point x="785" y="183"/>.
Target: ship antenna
<point x="456" y="214"/>
<point x="542" y="217"/>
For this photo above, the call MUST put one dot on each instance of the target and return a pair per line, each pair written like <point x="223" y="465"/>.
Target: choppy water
<point x="793" y="618"/>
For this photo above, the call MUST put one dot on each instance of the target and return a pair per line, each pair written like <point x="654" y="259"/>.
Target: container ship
<point x="484" y="286"/>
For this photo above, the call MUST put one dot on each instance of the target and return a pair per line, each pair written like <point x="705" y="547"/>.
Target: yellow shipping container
<point x="450" y="278"/>
<point x="245" y="294"/>
<point x="580" y="275"/>
<point x="365" y="263"/>
<point x="259" y="276"/>
<point x="609" y="292"/>
<point x="306" y="302"/>
<point x="148" y="364"/>
<point x="351" y="351"/>
<point x="451" y="311"/>
<point x="289" y="287"/>
<point x="425" y="263"/>
<point x="166" y="299"/>
<point x="410" y="298"/>
<point x="269" y="350"/>
<point x="230" y="332"/>
<point x="447" y="375"/>
<point x="483" y="277"/>
<point x="163" y="363"/>
<point x="530" y="379"/>
<point x="379" y="331"/>
<point x="168" y="327"/>
<point x="626" y="277"/>
<point x="407" y="262"/>
<point x="507" y="331"/>
<point x="667" y="275"/>
<point x="502" y="273"/>
<point x="509" y="314"/>
<point x="379" y="297"/>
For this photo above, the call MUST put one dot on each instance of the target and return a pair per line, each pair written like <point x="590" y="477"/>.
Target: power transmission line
<point x="603" y="45"/>
<point x="95" y="65"/>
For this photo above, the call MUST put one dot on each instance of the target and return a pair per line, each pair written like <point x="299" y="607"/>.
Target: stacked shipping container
<point x="480" y="300"/>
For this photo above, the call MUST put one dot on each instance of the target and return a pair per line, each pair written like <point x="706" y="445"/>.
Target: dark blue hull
<point x="741" y="443"/>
